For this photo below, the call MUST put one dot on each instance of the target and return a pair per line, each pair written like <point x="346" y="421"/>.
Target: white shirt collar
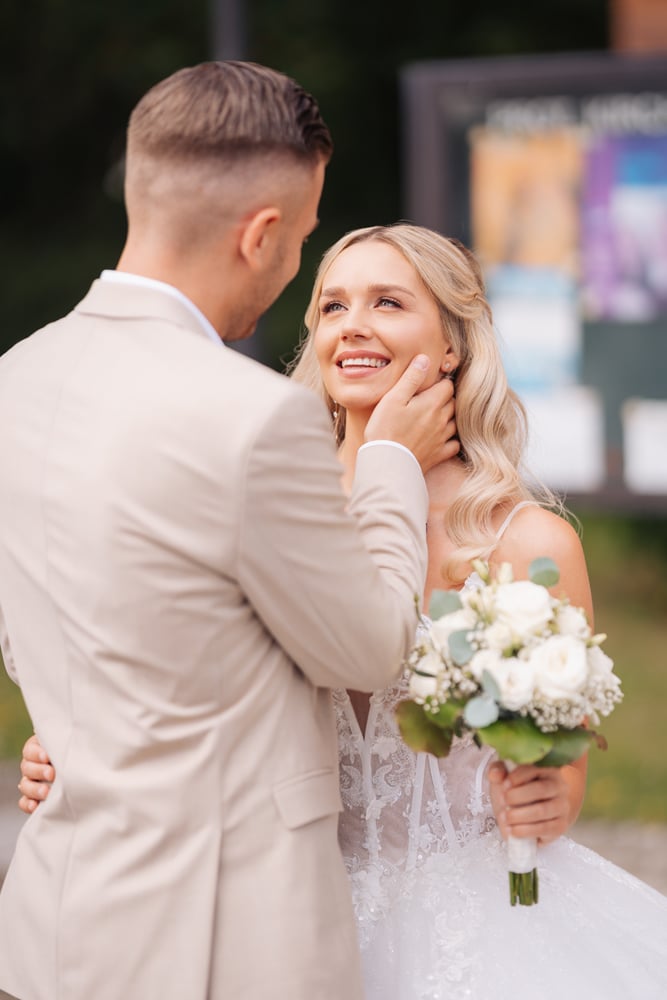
<point x="161" y="286"/>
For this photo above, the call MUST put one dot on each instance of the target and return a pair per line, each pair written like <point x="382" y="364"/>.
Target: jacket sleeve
<point x="335" y="582"/>
<point x="7" y="657"/>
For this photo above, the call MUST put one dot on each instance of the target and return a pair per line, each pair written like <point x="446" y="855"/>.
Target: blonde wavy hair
<point x="490" y="418"/>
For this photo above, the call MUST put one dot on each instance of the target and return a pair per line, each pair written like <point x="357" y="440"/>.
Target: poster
<point x="624" y="219"/>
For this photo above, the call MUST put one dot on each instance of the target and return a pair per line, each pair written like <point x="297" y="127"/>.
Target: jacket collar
<point x="125" y="300"/>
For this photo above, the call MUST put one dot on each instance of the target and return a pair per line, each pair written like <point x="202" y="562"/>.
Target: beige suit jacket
<point x="180" y="585"/>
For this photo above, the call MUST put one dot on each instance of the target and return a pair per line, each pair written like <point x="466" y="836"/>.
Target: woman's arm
<point x="37" y="773"/>
<point x="542" y="802"/>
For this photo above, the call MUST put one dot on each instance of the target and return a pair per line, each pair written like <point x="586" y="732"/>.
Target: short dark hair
<point x="229" y="110"/>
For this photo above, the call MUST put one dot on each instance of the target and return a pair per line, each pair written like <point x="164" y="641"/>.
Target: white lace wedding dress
<point x="430" y="887"/>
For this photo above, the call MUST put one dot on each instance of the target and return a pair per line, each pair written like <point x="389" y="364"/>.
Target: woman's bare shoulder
<point x="535" y="532"/>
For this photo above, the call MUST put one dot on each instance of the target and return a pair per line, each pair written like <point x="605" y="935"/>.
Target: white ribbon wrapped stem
<point x="521" y="854"/>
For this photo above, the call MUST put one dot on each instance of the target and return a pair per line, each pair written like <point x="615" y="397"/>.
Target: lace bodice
<point x="402" y="811"/>
<point x="401" y="806"/>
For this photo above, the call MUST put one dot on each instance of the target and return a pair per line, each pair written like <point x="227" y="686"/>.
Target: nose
<point x="355" y="325"/>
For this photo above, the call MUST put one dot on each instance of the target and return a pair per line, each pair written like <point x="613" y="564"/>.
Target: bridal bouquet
<point x="517" y="668"/>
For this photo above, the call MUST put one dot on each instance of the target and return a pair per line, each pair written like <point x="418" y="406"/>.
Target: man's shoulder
<point x="24" y="347"/>
<point x="254" y="385"/>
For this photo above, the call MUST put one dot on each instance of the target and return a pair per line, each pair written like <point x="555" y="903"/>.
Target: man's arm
<point x="7" y="656"/>
<point x="336" y="587"/>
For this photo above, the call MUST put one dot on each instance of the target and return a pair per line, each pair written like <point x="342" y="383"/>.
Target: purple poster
<point x="624" y="228"/>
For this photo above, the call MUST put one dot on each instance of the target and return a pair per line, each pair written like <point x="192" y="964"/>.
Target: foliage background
<point x="71" y="71"/>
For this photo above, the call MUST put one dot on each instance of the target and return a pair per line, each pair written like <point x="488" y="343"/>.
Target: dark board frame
<point x="440" y="102"/>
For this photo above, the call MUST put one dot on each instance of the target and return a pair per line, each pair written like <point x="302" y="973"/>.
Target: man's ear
<point x="256" y="236"/>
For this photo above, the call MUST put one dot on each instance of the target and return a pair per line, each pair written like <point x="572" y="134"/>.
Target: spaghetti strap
<point x="510" y="517"/>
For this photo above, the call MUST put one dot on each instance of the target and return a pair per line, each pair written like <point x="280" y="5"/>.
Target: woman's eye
<point x="386" y="301"/>
<point x="330" y="307"/>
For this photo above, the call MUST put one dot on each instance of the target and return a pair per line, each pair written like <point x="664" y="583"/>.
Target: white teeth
<point x="363" y="363"/>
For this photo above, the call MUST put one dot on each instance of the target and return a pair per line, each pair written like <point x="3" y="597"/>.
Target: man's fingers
<point x="37" y="772"/>
<point x="27" y="805"/>
<point x="411" y="380"/>
<point x="420" y="419"/>
<point x="37" y="790"/>
<point x="34" y="751"/>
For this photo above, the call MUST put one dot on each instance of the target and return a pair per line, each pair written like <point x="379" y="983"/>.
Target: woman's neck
<point x="355" y="427"/>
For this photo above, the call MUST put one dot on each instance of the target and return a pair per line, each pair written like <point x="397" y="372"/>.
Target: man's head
<point x="225" y="161"/>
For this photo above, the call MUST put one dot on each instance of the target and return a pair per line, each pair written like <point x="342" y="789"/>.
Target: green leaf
<point x="420" y="734"/>
<point x="446" y="715"/>
<point x="460" y="648"/>
<point x="517" y="739"/>
<point x="544" y="571"/>
<point x="568" y="745"/>
<point x="443" y="602"/>
<point x="480" y="711"/>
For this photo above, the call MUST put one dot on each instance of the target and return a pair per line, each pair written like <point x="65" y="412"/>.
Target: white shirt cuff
<point x="393" y="444"/>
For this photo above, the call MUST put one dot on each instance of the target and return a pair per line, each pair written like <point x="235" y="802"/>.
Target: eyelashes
<point x="382" y="302"/>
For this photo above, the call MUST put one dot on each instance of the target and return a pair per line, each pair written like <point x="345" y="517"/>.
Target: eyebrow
<point x="376" y="289"/>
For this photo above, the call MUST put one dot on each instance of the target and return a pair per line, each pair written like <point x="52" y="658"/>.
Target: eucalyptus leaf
<point x="480" y="711"/>
<point x="568" y="745"/>
<point x="544" y="571"/>
<point x="517" y="739"/>
<point x="420" y="734"/>
<point x="443" y="602"/>
<point x="460" y="647"/>
<point x="490" y="685"/>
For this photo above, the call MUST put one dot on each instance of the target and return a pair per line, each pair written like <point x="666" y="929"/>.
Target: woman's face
<point x="375" y="315"/>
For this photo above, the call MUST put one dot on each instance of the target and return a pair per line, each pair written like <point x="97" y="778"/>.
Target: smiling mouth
<point x="363" y="363"/>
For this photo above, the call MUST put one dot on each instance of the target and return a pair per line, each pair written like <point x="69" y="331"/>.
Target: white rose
<point x="430" y="663"/>
<point x="423" y="687"/>
<point x="479" y="599"/>
<point x="601" y="667"/>
<point x="572" y="621"/>
<point x="483" y="659"/>
<point x="457" y="621"/>
<point x="515" y="678"/>
<point x="524" y="606"/>
<point x="560" y="666"/>
<point x="498" y="636"/>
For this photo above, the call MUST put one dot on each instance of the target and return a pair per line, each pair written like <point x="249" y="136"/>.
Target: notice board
<point x="554" y="170"/>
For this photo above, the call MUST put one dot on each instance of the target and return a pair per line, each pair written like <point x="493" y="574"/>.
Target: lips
<point x="363" y="363"/>
<point x="353" y="360"/>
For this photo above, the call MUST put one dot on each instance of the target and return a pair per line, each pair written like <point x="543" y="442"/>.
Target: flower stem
<point x="524" y="888"/>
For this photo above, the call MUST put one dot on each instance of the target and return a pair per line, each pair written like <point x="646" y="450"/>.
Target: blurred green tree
<point x="70" y="72"/>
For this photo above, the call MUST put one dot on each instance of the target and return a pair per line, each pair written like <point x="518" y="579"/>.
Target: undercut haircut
<point x="229" y="111"/>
